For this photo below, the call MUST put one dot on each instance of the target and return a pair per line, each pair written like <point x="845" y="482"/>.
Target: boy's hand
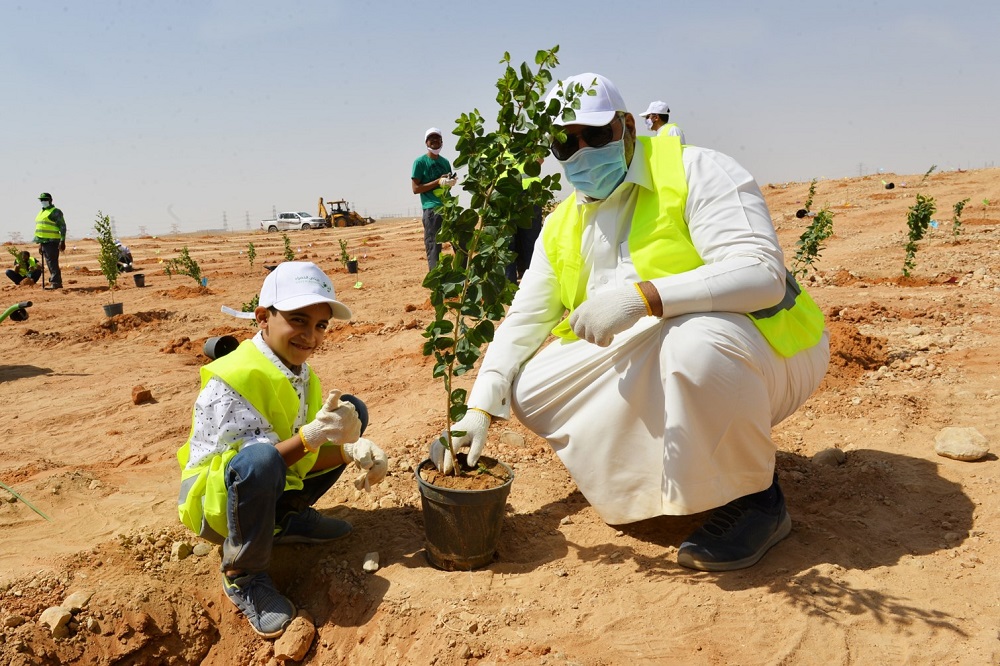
<point x="335" y="422"/>
<point x="368" y="456"/>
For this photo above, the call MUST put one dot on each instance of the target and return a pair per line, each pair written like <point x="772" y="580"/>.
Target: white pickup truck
<point x="293" y="220"/>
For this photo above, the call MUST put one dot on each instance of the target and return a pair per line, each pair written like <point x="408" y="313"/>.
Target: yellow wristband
<point x="645" y="300"/>
<point x="305" y="444"/>
<point x="482" y="411"/>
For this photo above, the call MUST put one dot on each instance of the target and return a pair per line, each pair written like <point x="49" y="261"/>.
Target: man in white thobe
<point x="661" y="391"/>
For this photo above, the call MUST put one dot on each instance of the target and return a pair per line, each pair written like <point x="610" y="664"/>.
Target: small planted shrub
<point x="183" y="265"/>
<point x="107" y="255"/>
<point x="251" y="254"/>
<point x="289" y="254"/>
<point x="956" y="220"/>
<point x="918" y="219"/>
<point x="811" y="242"/>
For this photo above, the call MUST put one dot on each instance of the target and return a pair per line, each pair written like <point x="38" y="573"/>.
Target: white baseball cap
<point x="293" y="285"/>
<point x="596" y="110"/>
<point x="433" y="130"/>
<point x="656" y="107"/>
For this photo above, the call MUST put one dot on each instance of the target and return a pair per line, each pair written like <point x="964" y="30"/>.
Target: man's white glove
<point x="368" y="456"/>
<point x="475" y="424"/>
<point x="603" y="315"/>
<point x="335" y="422"/>
<point x="447" y="181"/>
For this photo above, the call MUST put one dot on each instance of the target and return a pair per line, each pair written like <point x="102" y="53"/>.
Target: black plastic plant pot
<point x="140" y="279"/>
<point x="462" y="527"/>
<point x="801" y="212"/>
<point x="352" y="266"/>
<point x="114" y="309"/>
<point x="890" y="186"/>
<point x="219" y="346"/>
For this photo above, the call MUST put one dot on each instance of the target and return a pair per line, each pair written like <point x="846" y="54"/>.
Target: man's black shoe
<point x="736" y="535"/>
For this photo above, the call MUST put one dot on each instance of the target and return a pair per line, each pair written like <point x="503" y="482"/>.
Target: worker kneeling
<point x="686" y="340"/>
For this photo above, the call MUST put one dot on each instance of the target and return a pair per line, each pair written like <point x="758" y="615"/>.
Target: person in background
<point x="522" y="243"/>
<point x="265" y="444"/>
<point x="124" y="257"/>
<point x="50" y="234"/>
<point x="26" y="269"/>
<point x="657" y="117"/>
<point x="682" y="337"/>
<point x="430" y="173"/>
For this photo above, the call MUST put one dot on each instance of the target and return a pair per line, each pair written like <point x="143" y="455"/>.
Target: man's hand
<point x="335" y="422"/>
<point x="475" y="424"/>
<point x="602" y="316"/>
<point x="368" y="456"/>
<point x="447" y="181"/>
<point x="62" y="246"/>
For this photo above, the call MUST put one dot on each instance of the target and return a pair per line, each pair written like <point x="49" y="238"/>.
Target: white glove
<point x="447" y="181"/>
<point x="475" y="424"/>
<point x="601" y="316"/>
<point x="335" y="422"/>
<point x="368" y="456"/>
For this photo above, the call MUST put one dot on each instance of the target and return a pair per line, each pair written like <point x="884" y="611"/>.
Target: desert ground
<point x="894" y="557"/>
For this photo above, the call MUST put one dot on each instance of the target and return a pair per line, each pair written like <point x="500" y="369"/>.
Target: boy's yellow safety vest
<point x="203" y="494"/>
<point x="660" y="245"/>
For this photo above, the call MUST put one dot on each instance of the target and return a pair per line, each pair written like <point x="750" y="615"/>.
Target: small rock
<point x="961" y="444"/>
<point x="180" y="551"/>
<point x="78" y="600"/>
<point x="511" y="438"/>
<point x="201" y="549"/>
<point x="371" y="562"/>
<point x="141" y="394"/>
<point x="830" y="457"/>
<point x="57" y="620"/>
<point x="95" y="484"/>
<point x="93" y="626"/>
<point x="12" y="621"/>
<point x="296" y="641"/>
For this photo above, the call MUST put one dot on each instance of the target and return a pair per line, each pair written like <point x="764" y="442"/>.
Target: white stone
<point x="961" y="444"/>
<point x="371" y="562"/>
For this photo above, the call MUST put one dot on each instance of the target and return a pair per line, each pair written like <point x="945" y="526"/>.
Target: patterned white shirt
<point x="224" y="419"/>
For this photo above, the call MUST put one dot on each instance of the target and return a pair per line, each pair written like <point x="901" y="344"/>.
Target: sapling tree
<point x="926" y="174"/>
<point x="812" y="193"/>
<point x="956" y="220"/>
<point x="184" y="264"/>
<point x="251" y="254"/>
<point x="468" y="288"/>
<point x="345" y="256"/>
<point x="289" y="254"/>
<point x="811" y="242"/>
<point x="107" y="256"/>
<point x="917" y="219"/>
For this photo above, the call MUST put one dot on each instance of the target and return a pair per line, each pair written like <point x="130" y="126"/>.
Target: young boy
<point x="264" y="445"/>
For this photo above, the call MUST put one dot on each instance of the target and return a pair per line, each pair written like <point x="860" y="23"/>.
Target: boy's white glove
<point x="447" y="181"/>
<point x="368" y="456"/>
<point x="335" y="422"/>
<point x="476" y="425"/>
<point x="607" y="313"/>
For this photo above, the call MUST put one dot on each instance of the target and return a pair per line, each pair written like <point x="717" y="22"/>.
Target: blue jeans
<point x="257" y="501"/>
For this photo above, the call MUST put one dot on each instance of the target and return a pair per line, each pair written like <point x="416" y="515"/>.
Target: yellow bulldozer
<point x="339" y="214"/>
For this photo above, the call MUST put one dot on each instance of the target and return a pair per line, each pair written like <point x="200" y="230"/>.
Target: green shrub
<point x="184" y="265"/>
<point x="918" y="219"/>
<point x="107" y="256"/>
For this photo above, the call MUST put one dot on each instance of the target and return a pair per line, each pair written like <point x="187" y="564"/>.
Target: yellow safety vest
<point x="46" y="228"/>
<point x="203" y="496"/>
<point x="25" y="271"/>
<point x="660" y="245"/>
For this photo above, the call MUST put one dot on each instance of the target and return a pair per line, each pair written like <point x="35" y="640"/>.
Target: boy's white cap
<point x="596" y="110"/>
<point x="656" y="107"/>
<point x="298" y="284"/>
<point x="433" y="130"/>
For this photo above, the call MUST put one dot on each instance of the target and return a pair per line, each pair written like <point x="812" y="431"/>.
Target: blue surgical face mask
<point x="597" y="171"/>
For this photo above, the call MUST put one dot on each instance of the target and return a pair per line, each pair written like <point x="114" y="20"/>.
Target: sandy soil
<point x="891" y="559"/>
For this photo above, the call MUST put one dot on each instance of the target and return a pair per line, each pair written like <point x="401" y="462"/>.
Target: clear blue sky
<point x="178" y="112"/>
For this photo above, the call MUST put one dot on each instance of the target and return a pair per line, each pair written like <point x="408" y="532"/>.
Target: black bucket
<point x="140" y="279"/>
<point x="801" y="212"/>
<point x="890" y="186"/>
<point x="462" y="527"/>
<point x="219" y="346"/>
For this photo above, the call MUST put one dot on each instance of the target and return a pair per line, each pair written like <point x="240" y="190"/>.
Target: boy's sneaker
<point x="736" y="535"/>
<point x="311" y="526"/>
<point x="268" y="611"/>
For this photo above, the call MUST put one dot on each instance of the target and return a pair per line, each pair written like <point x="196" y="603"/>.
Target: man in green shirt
<point x="50" y="234"/>
<point x="431" y="172"/>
